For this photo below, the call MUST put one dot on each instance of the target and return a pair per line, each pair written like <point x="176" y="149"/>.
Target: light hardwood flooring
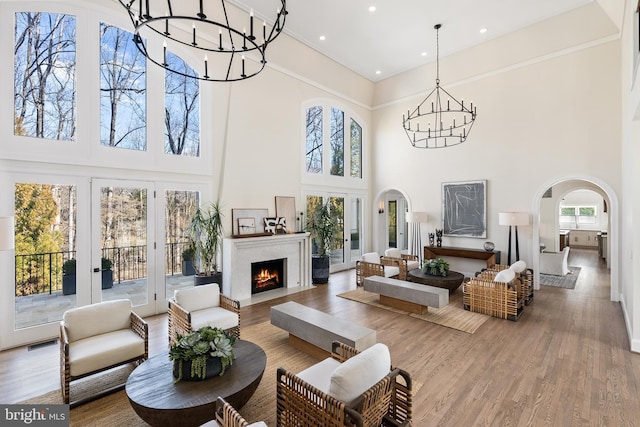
<point x="565" y="362"/>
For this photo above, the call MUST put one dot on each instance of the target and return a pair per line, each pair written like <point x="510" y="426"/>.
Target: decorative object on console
<point x="7" y="233"/>
<point x="415" y="237"/>
<point x="286" y="208"/>
<point x="236" y="36"/>
<point x="275" y="225"/>
<point x="513" y="219"/>
<point x="489" y="246"/>
<point x="258" y="216"/>
<point x="205" y="236"/>
<point x="436" y="267"/>
<point x="432" y="238"/>
<point x="202" y="354"/>
<point x="441" y="124"/>
<point x="464" y="207"/>
<point x="439" y="237"/>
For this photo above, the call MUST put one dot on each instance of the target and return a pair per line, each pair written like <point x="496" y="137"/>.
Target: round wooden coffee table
<point x="451" y="281"/>
<point x="158" y="401"/>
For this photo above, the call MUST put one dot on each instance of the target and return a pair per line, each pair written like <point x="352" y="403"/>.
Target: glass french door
<point x="123" y="240"/>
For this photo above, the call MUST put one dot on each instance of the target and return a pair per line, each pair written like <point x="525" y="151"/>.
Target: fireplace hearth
<point x="267" y="275"/>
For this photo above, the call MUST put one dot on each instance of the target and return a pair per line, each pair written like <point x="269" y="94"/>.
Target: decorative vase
<point x="214" y="367"/>
<point x="489" y="246"/>
<point x="439" y="240"/>
<point x="431" y="239"/>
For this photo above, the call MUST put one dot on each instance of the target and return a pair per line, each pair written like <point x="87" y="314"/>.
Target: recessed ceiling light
<point x="483" y="30"/>
<point x="372" y="8"/>
<point x="322" y="38"/>
<point x="378" y="72"/>
<point x="424" y="54"/>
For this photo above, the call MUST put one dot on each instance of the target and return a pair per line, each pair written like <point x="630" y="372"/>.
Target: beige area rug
<point x="115" y="410"/>
<point x="452" y="315"/>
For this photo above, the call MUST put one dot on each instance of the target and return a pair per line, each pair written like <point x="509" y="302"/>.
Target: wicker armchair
<point x="387" y="403"/>
<point x="484" y="294"/>
<point x="524" y="274"/>
<point x="192" y="308"/>
<point x="411" y="261"/>
<point x="227" y="416"/>
<point x="372" y="264"/>
<point x="98" y="337"/>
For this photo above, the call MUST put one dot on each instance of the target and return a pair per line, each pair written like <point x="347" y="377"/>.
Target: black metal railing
<point x="42" y="273"/>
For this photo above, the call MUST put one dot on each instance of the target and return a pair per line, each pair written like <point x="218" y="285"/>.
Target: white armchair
<point x="555" y="262"/>
<point x="412" y="261"/>
<point x="372" y="264"/>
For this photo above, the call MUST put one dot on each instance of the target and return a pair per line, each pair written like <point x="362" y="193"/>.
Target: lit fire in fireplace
<point x="266" y="278"/>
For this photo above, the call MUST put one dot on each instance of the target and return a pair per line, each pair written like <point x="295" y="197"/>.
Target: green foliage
<point x="200" y="345"/>
<point x="106" y="264"/>
<point x="436" y="267"/>
<point x="69" y="267"/>
<point x="206" y="233"/>
<point x="323" y="228"/>
<point x="188" y="254"/>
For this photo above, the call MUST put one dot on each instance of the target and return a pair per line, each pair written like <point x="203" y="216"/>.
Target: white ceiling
<point x="393" y="37"/>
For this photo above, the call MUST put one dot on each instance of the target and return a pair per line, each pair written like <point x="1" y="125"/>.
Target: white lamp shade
<point x="513" y="218"/>
<point x="417" y="217"/>
<point x="6" y="233"/>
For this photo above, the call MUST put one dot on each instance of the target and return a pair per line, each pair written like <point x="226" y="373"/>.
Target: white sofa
<point x="555" y="262"/>
<point x="98" y="337"/>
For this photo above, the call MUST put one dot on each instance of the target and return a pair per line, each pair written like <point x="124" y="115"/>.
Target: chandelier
<point x="220" y="37"/>
<point x="440" y="120"/>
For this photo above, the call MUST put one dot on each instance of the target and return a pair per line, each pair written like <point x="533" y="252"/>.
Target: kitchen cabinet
<point x="583" y="238"/>
<point x="564" y="239"/>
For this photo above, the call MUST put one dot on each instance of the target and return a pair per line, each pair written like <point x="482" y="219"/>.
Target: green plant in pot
<point x="69" y="277"/>
<point x="106" y="265"/>
<point x="187" y="261"/>
<point x="202" y="354"/>
<point x="436" y="267"/>
<point x="205" y="237"/>
<point x="323" y="228"/>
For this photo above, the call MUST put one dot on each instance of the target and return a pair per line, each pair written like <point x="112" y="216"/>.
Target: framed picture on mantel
<point x="464" y="207"/>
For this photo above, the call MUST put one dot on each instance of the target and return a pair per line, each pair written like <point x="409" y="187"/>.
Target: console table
<point x="491" y="257"/>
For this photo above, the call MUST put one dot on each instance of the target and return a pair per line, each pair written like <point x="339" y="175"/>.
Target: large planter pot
<point x="320" y="270"/>
<point x="204" y="280"/>
<point x="187" y="268"/>
<point x="68" y="284"/>
<point x="214" y="367"/>
<point x="107" y="279"/>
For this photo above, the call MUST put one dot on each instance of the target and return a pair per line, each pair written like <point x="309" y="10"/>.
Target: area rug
<point x="568" y="281"/>
<point x="115" y="410"/>
<point x="452" y="315"/>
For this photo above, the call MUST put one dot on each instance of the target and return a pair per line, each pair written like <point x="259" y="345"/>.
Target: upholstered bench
<point x="313" y="331"/>
<point x="407" y="296"/>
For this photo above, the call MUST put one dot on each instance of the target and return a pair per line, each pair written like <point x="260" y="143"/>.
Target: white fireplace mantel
<point x="239" y="253"/>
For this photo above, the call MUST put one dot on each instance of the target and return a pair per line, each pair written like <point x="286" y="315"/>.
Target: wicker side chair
<point x="192" y="308"/>
<point x="387" y="403"/>
<point x="227" y="416"/>
<point x="522" y="272"/>
<point x="99" y="337"/>
<point x="498" y="299"/>
<point x="372" y="264"/>
<point x="410" y="261"/>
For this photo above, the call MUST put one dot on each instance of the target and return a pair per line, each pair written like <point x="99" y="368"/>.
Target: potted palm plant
<point x="205" y="236"/>
<point x="323" y="228"/>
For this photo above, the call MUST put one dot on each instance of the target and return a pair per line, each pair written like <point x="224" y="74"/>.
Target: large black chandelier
<point x="440" y="120"/>
<point x="220" y="37"/>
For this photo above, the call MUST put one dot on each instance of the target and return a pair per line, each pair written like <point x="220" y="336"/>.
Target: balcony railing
<point x="42" y="273"/>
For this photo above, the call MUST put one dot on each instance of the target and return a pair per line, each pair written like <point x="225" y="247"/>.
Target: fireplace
<point x="267" y="275"/>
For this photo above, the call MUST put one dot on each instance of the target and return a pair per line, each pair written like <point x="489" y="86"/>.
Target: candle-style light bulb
<point x="251" y="24"/>
<point x="243" y="74"/>
<point x="194" y="34"/>
<point x="220" y="39"/>
<point x="206" y="69"/>
<point x="164" y="48"/>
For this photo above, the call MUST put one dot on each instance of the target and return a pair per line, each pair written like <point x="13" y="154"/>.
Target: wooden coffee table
<point x="158" y="401"/>
<point x="451" y="281"/>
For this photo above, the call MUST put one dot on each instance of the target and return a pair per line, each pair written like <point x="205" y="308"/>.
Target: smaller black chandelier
<point x="440" y="120"/>
<point x="221" y="39"/>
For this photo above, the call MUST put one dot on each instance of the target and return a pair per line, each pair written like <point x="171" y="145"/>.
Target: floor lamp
<point x="6" y="233"/>
<point x="415" y="219"/>
<point x="513" y="219"/>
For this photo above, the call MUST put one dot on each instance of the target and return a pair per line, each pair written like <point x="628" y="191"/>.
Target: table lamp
<point x="513" y="219"/>
<point x="415" y="219"/>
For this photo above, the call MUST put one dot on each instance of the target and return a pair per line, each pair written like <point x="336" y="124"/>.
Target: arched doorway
<point x="547" y="225"/>
<point x="390" y="225"/>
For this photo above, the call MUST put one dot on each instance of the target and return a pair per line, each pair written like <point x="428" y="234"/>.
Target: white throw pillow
<point x="518" y="266"/>
<point x="505" y="276"/>
<point x="372" y="257"/>
<point x="198" y="297"/>
<point x="359" y="373"/>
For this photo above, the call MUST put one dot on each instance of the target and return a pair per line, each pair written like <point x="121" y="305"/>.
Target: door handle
<point x="97" y="270"/>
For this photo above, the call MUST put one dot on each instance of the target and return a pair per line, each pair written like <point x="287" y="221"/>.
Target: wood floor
<point x="566" y="362"/>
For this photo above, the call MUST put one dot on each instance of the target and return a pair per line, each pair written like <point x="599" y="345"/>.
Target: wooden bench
<point x="313" y="331"/>
<point x="407" y="296"/>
